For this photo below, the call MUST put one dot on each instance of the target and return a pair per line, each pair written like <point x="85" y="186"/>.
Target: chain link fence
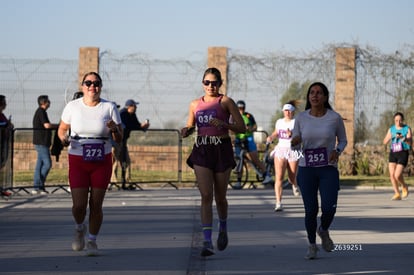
<point x="164" y="88"/>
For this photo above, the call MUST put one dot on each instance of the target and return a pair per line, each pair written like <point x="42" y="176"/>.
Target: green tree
<point x="296" y="91"/>
<point x="362" y="128"/>
<point x="386" y="120"/>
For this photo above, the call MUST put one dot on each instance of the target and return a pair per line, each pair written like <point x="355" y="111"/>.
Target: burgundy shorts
<point x="86" y="174"/>
<point x="216" y="155"/>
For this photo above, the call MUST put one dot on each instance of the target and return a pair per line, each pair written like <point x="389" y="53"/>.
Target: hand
<point x="333" y="157"/>
<point x="65" y="141"/>
<point x="269" y="140"/>
<point x="112" y="126"/>
<point x="186" y="131"/>
<point x="295" y="141"/>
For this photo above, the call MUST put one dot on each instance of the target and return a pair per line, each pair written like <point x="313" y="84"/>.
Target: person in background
<point x="246" y="140"/>
<point x="42" y="140"/>
<point x="130" y="122"/>
<point x="116" y="159"/>
<point x="6" y="128"/>
<point x="212" y="156"/>
<point x="92" y="121"/>
<point x="400" y="136"/>
<point x="284" y="157"/>
<point x="320" y="132"/>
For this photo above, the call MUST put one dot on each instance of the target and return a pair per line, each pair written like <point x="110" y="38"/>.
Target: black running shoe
<point x="222" y="240"/>
<point x="208" y="249"/>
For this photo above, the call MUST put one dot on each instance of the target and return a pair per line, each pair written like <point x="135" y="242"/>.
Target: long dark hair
<point x="325" y="92"/>
<point x="215" y="72"/>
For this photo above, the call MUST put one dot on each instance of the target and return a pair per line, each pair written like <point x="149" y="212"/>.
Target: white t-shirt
<point x="89" y="121"/>
<point x="281" y="126"/>
<point x="320" y="136"/>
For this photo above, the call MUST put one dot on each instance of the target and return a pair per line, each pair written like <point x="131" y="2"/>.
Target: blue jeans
<point x="326" y="181"/>
<point x="43" y="165"/>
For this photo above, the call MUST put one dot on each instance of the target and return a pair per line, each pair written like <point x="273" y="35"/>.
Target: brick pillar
<point x="217" y="57"/>
<point x="345" y="84"/>
<point x="88" y="62"/>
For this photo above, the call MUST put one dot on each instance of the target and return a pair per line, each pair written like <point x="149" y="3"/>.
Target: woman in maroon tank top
<point x="212" y="157"/>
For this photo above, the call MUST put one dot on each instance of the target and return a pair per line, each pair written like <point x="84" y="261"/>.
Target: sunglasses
<point x="95" y="83"/>
<point x="213" y="83"/>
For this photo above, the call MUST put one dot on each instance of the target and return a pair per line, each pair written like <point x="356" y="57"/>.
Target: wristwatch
<point x="338" y="151"/>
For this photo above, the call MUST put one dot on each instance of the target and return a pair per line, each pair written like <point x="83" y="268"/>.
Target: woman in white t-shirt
<point x="285" y="158"/>
<point x="93" y="123"/>
<point x="320" y="133"/>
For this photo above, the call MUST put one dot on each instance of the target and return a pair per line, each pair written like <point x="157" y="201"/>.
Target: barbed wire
<point x="164" y="88"/>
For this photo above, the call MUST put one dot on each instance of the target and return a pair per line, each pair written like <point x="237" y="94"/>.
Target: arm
<point x="190" y="125"/>
<point x="387" y="137"/>
<point x="48" y="125"/>
<point x="341" y="139"/>
<point x="272" y="136"/>
<point x="409" y="137"/>
<point x="116" y="131"/>
<point x="238" y="123"/>
<point x="252" y="127"/>
<point x="62" y="133"/>
<point x="296" y="134"/>
<point x="341" y="135"/>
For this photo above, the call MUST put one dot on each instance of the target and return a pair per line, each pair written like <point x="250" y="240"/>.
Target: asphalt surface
<point x="157" y="232"/>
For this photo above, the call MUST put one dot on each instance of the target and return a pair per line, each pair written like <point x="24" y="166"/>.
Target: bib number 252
<point x="316" y="157"/>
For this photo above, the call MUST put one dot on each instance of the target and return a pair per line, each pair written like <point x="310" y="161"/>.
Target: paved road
<point x="157" y="232"/>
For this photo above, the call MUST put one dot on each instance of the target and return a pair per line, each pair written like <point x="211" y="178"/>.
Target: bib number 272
<point x="93" y="152"/>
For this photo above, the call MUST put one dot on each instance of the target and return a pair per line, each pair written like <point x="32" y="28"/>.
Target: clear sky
<point x="186" y="28"/>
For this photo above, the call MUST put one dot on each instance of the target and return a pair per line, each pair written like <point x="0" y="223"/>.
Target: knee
<point x="311" y="211"/>
<point x="207" y="199"/>
<point x="329" y="210"/>
<point x="79" y="208"/>
<point x="221" y="201"/>
<point x="95" y="208"/>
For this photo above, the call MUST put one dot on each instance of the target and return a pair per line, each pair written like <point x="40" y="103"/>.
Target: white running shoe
<point x="279" y="207"/>
<point x="79" y="241"/>
<point x="312" y="252"/>
<point x="327" y="243"/>
<point x="295" y="190"/>
<point x="91" y="248"/>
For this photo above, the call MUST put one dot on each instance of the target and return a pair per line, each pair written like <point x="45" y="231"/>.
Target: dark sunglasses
<point x="213" y="83"/>
<point x="95" y="83"/>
